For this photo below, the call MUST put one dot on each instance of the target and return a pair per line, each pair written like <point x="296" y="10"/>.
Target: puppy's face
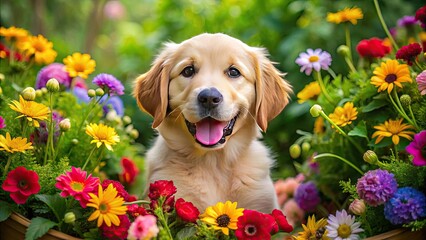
<point x="212" y="85"/>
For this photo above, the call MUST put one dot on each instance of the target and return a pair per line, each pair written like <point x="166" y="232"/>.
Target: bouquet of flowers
<point x="363" y="167"/>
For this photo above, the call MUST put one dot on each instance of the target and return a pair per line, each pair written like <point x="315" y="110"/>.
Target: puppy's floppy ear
<point x="151" y="88"/>
<point x="272" y="91"/>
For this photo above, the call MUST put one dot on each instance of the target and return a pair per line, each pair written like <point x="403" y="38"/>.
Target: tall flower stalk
<point x="385" y="27"/>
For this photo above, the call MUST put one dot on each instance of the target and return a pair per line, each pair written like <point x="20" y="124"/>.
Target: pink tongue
<point x="209" y="131"/>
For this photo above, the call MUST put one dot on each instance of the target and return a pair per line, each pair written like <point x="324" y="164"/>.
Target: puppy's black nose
<point x="210" y="98"/>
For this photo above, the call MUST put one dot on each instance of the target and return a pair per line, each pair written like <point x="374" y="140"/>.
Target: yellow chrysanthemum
<point x="319" y="126"/>
<point x="346" y="15"/>
<point x="222" y="216"/>
<point x="343" y="116"/>
<point x="79" y="65"/>
<point x="394" y="129"/>
<point x="40" y="48"/>
<point x="390" y="73"/>
<point x="12" y="145"/>
<point x="33" y="111"/>
<point x="311" y="228"/>
<point x="108" y="206"/>
<point x="13" y="34"/>
<point x="311" y="91"/>
<point x="102" y="134"/>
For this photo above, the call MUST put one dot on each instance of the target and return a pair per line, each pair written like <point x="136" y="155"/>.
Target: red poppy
<point x="161" y="188"/>
<point x="21" y="183"/>
<point x="372" y="48"/>
<point x="281" y="222"/>
<point x="121" y="192"/>
<point x="254" y="225"/>
<point x="186" y="211"/>
<point x="130" y="171"/>
<point x="116" y="232"/>
<point x="409" y="53"/>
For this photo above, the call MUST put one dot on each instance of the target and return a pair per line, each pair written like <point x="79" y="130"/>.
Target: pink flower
<point x="293" y="212"/>
<point x="421" y="82"/>
<point x="285" y="188"/>
<point x="313" y="59"/>
<point x="75" y="183"/>
<point x="144" y="227"/>
<point x="417" y="149"/>
<point x="21" y="183"/>
<point x="2" y="124"/>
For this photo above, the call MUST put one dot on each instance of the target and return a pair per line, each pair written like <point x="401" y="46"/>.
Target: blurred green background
<point x="124" y="37"/>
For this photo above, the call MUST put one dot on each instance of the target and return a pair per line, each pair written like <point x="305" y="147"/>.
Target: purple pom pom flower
<point x="313" y="59"/>
<point x="407" y="21"/>
<point x="406" y="205"/>
<point x="307" y="196"/>
<point x="109" y="83"/>
<point x="54" y="70"/>
<point x="417" y="148"/>
<point x="376" y="187"/>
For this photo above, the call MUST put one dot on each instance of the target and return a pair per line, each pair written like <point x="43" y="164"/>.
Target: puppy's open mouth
<point x="210" y="132"/>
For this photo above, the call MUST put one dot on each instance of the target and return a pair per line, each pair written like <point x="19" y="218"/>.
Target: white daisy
<point x="343" y="226"/>
<point x="313" y="59"/>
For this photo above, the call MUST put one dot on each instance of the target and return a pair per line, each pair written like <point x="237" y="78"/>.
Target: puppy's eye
<point x="233" y="72"/>
<point x="188" y="71"/>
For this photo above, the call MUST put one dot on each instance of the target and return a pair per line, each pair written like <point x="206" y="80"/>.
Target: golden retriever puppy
<point x="210" y="96"/>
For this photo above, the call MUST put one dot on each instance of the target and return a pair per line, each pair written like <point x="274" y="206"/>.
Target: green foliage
<point x="38" y="227"/>
<point x="407" y="175"/>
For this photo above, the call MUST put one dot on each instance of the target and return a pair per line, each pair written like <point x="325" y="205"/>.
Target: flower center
<point x="103" y="208"/>
<point x="313" y="59"/>
<point x="344" y="231"/>
<point x="39" y="46"/>
<point x="223" y="220"/>
<point x="250" y="230"/>
<point x="390" y="78"/>
<point x="79" y="67"/>
<point x="77" y="186"/>
<point x="22" y="184"/>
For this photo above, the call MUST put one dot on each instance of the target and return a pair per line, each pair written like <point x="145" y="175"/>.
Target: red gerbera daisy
<point x="130" y="171"/>
<point x="409" y="53"/>
<point x="21" y="183"/>
<point x="254" y="225"/>
<point x="76" y="183"/>
<point x="116" y="232"/>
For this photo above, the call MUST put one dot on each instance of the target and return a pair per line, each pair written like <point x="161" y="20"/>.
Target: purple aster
<point x="407" y="21"/>
<point x="109" y="83"/>
<point x="114" y="103"/>
<point x="307" y="196"/>
<point x="421" y="82"/>
<point x="417" y="148"/>
<point x="313" y="59"/>
<point x="376" y="187"/>
<point x="406" y="205"/>
<point x="54" y="70"/>
<point x="81" y="94"/>
<point x="2" y="124"/>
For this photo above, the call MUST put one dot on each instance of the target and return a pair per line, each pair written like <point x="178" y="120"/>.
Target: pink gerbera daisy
<point x="76" y="183"/>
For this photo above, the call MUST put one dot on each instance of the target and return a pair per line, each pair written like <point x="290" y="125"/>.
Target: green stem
<point x="98" y="161"/>
<point x="322" y="86"/>
<point x="9" y="160"/>
<point x="88" y="158"/>
<point x="382" y="21"/>
<point x="49" y="150"/>
<point x="400" y="109"/>
<point x="332" y="73"/>
<point x="412" y="116"/>
<point x="396" y="152"/>
<point x="160" y="214"/>
<point x="348" y="41"/>
<point x="93" y="102"/>
<point x="58" y="145"/>
<point x="350" y="64"/>
<point x="137" y="202"/>
<point x="340" y="158"/>
<point x="322" y="113"/>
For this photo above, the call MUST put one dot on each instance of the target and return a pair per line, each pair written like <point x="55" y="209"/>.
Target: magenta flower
<point x="421" y="82"/>
<point x="417" y="148"/>
<point x="407" y="21"/>
<point x="21" y="183"/>
<point x="109" y="83"/>
<point x="54" y="70"/>
<point x="376" y="187"/>
<point x="2" y="122"/>
<point x="144" y="227"/>
<point x="313" y="59"/>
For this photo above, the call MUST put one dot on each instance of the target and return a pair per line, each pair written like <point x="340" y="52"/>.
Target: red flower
<point x="409" y="52"/>
<point x="280" y="222"/>
<point x="130" y="171"/>
<point x="372" y="48"/>
<point x="254" y="225"/>
<point x="135" y="210"/>
<point x="167" y="204"/>
<point x="116" y="232"/>
<point x="21" y="183"/>
<point x="121" y="192"/>
<point x="5" y="53"/>
<point x="421" y="15"/>
<point x="186" y="211"/>
<point x="161" y="188"/>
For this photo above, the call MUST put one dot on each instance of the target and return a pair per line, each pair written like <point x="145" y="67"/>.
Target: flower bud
<point x="306" y="146"/>
<point x="295" y="150"/>
<point x="52" y="85"/>
<point x="405" y="100"/>
<point x="1" y="91"/>
<point x="343" y="50"/>
<point x="44" y="90"/>
<point x="100" y="92"/>
<point x="357" y="207"/>
<point x="65" y="125"/>
<point x="29" y="94"/>
<point x="315" y="110"/>
<point x="134" y="133"/>
<point x="127" y="120"/>
<point x="74" y="141"/>
<point x="1" y="77"/>
<point x="69" y="217"/>
<point x="91" y="93"/>
<point x="39" y="93"/>
<point x="370" y="157"/>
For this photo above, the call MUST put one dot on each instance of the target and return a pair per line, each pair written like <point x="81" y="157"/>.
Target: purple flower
<point x="376" y="187"/>
<point x="313" y="59"/>
<point x="417" y="148"/>
<point x="109" y="83"/>
<point x="2" y="124"/>
<point x="421" y="82"/>
<point x="41" y="134"/>
<point x="307" y="196"/>
<point x="114" y="103"/>
<point x="54" y="70"/>
<point x="407" y="21"/>
<point x="406" y="205"/>
<point x="81" y="94"/>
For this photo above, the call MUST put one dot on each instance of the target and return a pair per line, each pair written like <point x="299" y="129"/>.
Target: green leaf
<point x="38" y="227"/>
<point x="375" y="104"/>
<point x="5" y="210"/>
<point x="360" y="130"/>
<point x="55" y="202"/>
<point x="186" y="233"/>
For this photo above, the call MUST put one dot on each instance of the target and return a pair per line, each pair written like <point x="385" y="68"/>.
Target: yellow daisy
<point x="40" y="48"/>
<point x="394" y="129"/>
<point x="346" y="15"/>
<point x="13" y="34"/>
<point x="313" y="229"/>
<point x="390" y="73"/>
<point x="223" y="216"/>
<point x="108" y="206"/>
<point x="311" y="91"/>
<point x="33" y="111"/>
<point x="12" y="145"/>
<point x="102" y="134"/>
<point x="80" y="65"/>
<point x="343" y="116"/>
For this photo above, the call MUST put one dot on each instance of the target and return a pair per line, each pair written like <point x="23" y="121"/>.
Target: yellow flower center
<point x="223" y="220"/>
<point x="390" y="78"/>
<point x="344" y="231"/>
<point x="39" y="46"/>
<point x="79" y="67"/>
<point x="103" y="208"/>
<point x="77" y="186"/>
<point x="313" y="59"/>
